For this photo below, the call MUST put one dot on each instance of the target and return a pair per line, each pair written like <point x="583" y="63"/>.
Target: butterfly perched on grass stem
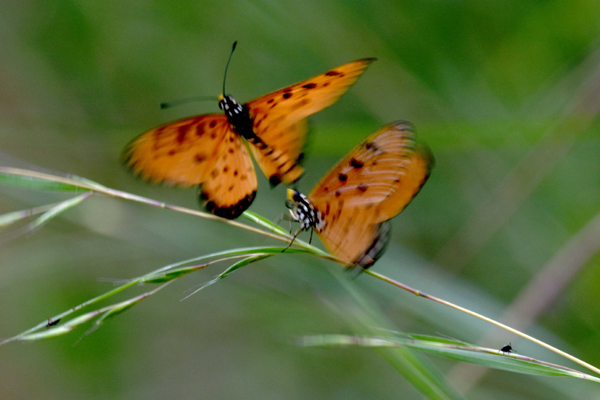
<point x="350" y="207"/>
<point x="211" y="150"/>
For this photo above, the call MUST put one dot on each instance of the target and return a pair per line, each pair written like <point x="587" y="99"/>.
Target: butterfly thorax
<point x="239" y="118"/>
<point x="304" y="212"/>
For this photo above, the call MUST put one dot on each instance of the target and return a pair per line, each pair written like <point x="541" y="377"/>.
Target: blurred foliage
<point x="486" y="83"/>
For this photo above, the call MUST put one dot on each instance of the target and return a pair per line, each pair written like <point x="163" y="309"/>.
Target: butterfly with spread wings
<point x="350" y="207"/>
<point x="212" y="150"/>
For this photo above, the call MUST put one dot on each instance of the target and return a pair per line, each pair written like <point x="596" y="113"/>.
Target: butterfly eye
<point x="293" y="196"/>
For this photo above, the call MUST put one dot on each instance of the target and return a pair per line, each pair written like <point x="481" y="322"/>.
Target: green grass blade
<point x="423" y="376"/>
<point x="59" y="209"/>
<point x="12" y="217"/>
<point x="160" y="273"/>
<point x="362" y="315"/>
<point x="264" y="222"/>
<point x="105" y="312"/>
<point x="156" y="276"/>
<point x="175" y="274"/>
<point x="454" y="350"/>
<point x="12" y="179"/>
<point x="119" y="308"/>
<point x="59" y="330"/>
<point x="237" y="265"/>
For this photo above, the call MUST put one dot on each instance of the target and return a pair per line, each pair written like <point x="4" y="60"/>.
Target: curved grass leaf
<point x="59" y="330"/>
<point x="105" y="313"/>
<point x="161" y="275"/>
<point x="262" y="221"/>
<point x="237" y="265"/>
<point x="13" y="179"/>
<point x="58" y="209"/>
<point x="486" y="357"/>
<point x="12" y="217"/>
<point x="155" y="276"/>
<point x="174" y="274"/>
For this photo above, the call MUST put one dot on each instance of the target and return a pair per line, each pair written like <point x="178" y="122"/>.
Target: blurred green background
<point x="504" y="92"/>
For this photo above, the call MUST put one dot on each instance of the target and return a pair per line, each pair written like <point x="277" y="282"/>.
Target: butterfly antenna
<point x="169" y="104"/>
<point x="227" y="66"/>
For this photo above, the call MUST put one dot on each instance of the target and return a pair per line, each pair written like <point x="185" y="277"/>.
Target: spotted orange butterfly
<point x="352" y="204"/>
<point x="211" y="150"/>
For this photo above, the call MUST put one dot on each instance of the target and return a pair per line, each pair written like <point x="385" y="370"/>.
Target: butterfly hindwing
<point x="282" y="161"/>
<point x="353" y="236"/>
<point x="178" y="153"/>
<point x="369" y="186"/>
<point x="198" y="151"/>
<point x="230" y="186"/>
<point x="278" y="118"/>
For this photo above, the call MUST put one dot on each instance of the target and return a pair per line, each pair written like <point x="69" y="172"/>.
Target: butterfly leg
<point x="281" y="217"/>
<point x="284" y="216"/>
<point x="310" y="239"/>
<point x="292" y="241"/>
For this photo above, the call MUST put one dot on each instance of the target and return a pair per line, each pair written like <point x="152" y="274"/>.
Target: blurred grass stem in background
<point x="575" y="120"/>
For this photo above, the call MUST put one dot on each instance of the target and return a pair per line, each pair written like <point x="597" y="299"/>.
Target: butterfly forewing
<point x="414" y="177"/>
<point x="372" y="184"/>
<point x="178" y="153"/>
<point x="278" y="117"/>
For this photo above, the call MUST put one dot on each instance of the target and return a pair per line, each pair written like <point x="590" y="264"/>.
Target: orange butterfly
<point x="211" y="150"/>
<point x="350" y="206"/>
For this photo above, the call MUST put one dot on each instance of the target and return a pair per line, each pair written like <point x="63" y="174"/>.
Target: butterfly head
<point x="231" y="107"/>
<point x="302" y="211"/>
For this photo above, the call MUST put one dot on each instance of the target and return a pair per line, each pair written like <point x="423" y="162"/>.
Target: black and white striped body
<point x="239" y="118"/>
<point x="303" y="212"/>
